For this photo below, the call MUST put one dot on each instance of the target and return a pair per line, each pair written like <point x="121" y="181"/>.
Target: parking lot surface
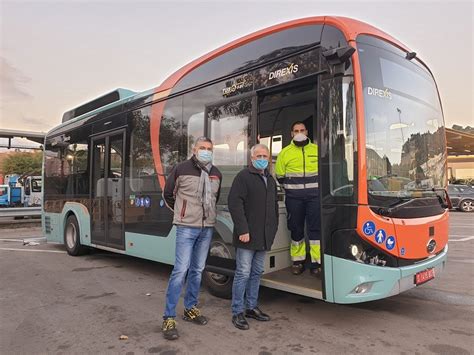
<point x="54" y="303"/>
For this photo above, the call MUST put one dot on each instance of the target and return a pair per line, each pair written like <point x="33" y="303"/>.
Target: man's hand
<point x="244" y="238"/>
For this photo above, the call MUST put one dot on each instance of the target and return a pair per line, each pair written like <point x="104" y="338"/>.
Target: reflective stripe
<point x="301" y="186"/>
<point x="307" y="174"/>
<point x="315" y="251"/>
<point x="293" y="257"/>
<point x="298" y="250"/>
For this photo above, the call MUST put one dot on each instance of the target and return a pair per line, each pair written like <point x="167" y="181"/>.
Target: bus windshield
<point x="405" y="139"/>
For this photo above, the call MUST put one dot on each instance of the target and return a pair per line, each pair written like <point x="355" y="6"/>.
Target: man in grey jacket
<point x="191" y="191"/>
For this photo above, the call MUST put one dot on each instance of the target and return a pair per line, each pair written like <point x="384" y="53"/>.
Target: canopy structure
<point x="37" y="137"/>
<point x="459" y="143"/>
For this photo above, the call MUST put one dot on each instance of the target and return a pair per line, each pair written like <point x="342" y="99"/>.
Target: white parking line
<point x="34" y="250"/>
<point x="22" y="240"/>
<point x="461" y="239"/>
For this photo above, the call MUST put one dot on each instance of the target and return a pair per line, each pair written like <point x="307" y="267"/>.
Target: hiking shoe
<point x="169" y="329"/>
<point x="297" y="269"/>
<point x="194" y="315"/>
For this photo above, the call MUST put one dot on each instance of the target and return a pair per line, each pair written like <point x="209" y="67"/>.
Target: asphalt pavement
<point x="54" y="303"/>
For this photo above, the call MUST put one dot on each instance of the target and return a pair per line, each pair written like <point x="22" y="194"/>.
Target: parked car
<point x="462" y="197"/>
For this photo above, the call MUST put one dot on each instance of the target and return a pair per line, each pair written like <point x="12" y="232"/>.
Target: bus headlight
<point x="356" y="251"/>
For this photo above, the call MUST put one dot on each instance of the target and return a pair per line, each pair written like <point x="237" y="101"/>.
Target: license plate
<point x="424" y="276"/>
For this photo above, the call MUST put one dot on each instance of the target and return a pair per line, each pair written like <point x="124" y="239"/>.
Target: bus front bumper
<point x="355" y="282"/>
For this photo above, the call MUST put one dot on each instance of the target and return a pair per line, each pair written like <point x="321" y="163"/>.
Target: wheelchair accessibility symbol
<point x="369" y="228"/>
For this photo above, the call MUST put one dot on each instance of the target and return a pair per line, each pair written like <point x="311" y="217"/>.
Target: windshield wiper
<point x="402" y="202"/>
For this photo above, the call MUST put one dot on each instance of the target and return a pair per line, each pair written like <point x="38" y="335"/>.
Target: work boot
<point x="316" y="272"/>
<point x="257" y="314"/>
<point x="297" y="268"/>
<point x="169" y="329"/>
<point x="194" y="315"/>
<point x="239" y="321"/>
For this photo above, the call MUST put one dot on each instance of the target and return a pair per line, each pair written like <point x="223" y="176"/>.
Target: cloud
<point x="13" y="83"/>
<point x="32" y="121"/>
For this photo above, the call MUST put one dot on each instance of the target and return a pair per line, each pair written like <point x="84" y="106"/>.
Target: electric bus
<point x="371" y="105"/>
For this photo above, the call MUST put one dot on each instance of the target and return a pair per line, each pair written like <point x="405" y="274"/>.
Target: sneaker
<point x="257" y="314"/>
<point x="194" y="315"/>
<point x="169" y="329"/>
<point x="297" y="269"/>
<point x="239" y="321"/>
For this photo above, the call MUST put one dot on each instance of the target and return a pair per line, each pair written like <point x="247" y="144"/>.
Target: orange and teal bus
<point x="370" y="103"/>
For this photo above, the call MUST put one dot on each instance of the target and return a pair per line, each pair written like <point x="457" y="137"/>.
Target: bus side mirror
<point x="338" y="59"/>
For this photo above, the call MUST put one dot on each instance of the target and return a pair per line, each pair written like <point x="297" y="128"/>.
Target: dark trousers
<point x="301" y="210"/>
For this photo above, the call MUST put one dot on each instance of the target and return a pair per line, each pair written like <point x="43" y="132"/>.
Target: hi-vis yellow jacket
<point x="296" y="169"/>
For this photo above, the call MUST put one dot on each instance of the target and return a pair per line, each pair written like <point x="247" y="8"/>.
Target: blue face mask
<point x="260" y="164"/>
<point x="204" y="156"/>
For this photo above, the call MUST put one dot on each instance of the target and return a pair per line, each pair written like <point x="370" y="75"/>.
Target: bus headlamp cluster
<point x="367" y="257"/>
<point x="357" y="252"/>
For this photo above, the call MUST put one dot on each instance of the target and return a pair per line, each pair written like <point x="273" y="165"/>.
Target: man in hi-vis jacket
<point x="296" y="169"/>
<point x="191" y="191"/>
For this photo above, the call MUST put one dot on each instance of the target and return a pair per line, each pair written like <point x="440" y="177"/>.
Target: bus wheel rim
<point x="218" y="249"/>
<point x="71" y="235"/>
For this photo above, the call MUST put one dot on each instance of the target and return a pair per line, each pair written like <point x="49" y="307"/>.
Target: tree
<point x="23" y="163"/>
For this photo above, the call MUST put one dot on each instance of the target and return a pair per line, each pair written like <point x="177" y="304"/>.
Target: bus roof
<point x="350" y="27"/>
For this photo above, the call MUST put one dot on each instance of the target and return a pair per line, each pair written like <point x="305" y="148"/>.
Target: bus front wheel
<point x="72" y="237"/>
<point x="219" y="285"/>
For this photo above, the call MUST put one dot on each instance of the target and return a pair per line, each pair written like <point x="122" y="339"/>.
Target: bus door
<point x="278" y="108"/>
<point x="107" y="190"/>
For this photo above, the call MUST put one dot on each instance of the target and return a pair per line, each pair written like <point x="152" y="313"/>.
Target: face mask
<point x="260" y="164"/>
<point x="204" y="156"/>
<point x="300" y="137"/>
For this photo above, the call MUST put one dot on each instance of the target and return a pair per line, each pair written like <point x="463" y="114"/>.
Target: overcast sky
<point x="57" y="55"/>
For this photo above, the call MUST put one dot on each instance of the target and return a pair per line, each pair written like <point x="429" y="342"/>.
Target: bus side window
<point x="274" y="144"/>
<point x="143" y="176"/>
<point x="195" y="129"/>
<point x="229" y="126"/>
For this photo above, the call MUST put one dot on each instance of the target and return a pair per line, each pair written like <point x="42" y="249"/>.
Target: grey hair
<point x="256" y="146"/>
<point x="202" y="139"/>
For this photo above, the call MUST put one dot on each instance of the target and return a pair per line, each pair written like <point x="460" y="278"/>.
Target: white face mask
<point x="300" y="137"/>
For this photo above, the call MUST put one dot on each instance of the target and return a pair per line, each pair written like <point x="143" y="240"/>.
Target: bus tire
<point x="72" y="237"/>
<point x="217" y="284"/>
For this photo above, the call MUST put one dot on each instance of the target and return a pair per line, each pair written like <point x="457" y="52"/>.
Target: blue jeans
<point x="250" y="266"/>
<point x="192" y="247"/>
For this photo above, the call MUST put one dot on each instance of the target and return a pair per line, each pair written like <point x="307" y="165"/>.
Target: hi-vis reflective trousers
<point x="300" y="211"/>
